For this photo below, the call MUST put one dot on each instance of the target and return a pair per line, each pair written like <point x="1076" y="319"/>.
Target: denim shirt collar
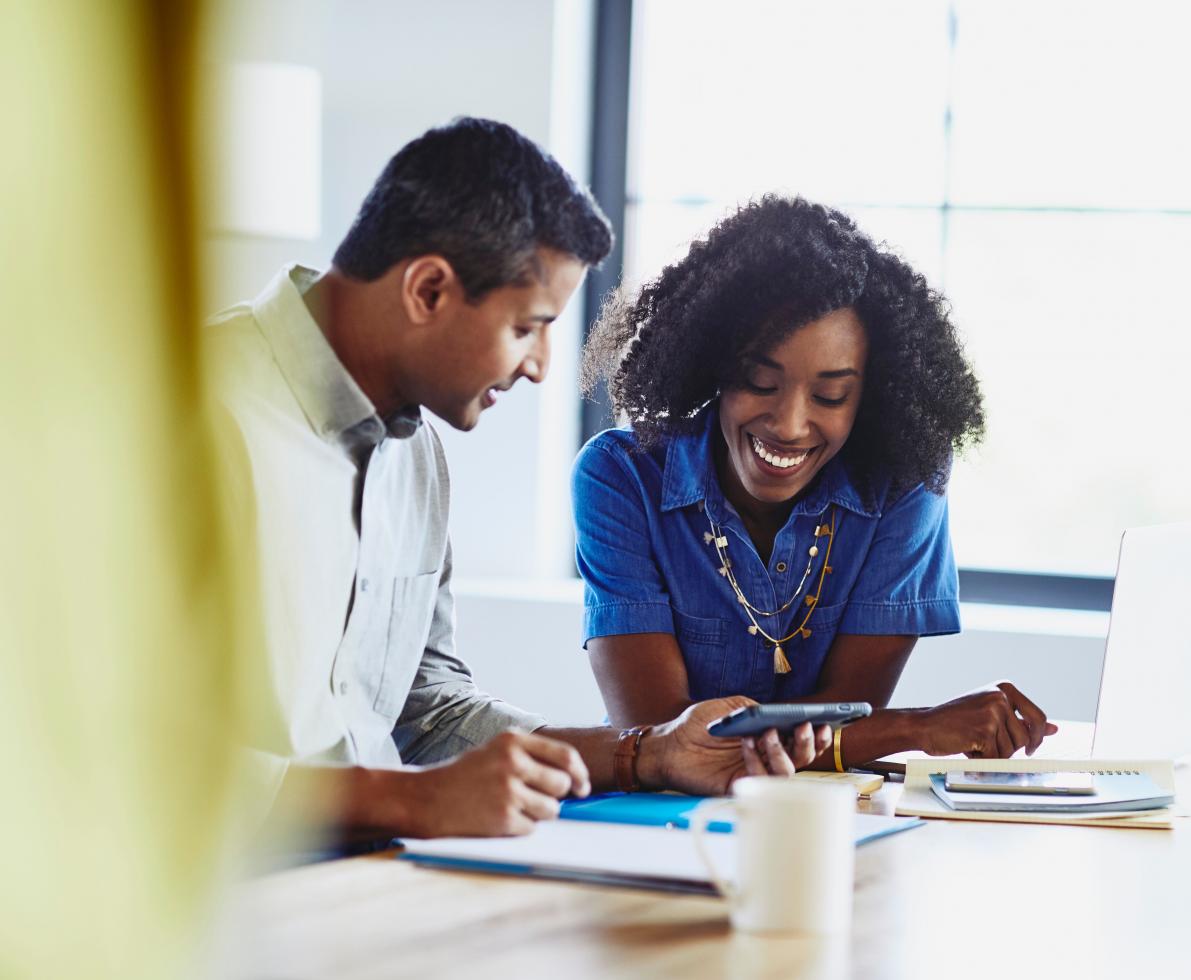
<point x="690" y="478"/>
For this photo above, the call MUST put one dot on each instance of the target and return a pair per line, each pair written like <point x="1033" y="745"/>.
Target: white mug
<point x="795" y="855"/>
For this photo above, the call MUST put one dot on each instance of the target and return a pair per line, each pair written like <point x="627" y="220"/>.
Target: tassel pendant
<point x="752" y="631"/>
<point x="780" y="664"/>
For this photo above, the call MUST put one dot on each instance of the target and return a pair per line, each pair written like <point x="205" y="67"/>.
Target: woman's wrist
<point x="884" y="732"/>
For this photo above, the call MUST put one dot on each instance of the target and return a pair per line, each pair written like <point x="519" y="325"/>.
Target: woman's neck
<point x="762" y="520"/>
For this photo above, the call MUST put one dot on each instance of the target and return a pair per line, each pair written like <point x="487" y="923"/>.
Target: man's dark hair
<point x="763" y="272"/>
<point x="482" y="196"/>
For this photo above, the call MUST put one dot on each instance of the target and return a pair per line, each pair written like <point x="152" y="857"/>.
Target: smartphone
<point x="1040" y="783"/>
<point x="759" y="718"/>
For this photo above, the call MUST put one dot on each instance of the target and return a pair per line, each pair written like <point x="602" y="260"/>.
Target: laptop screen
<point x="1144" y="711"/>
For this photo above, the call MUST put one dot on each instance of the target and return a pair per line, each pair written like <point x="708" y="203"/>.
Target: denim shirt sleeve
<point x="908" y="584"/>
<point x="623" y="588"/>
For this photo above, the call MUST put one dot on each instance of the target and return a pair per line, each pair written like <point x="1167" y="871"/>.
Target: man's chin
<point x="463" y="418"/>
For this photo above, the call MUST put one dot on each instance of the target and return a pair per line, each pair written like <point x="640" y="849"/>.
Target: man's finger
<point x="561" y="756"/>
<point x="543" y="778"/>
<point x="537" y="806"/>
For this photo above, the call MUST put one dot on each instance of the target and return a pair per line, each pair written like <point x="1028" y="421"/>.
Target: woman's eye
<point x="759" y="389"/>
<point x="831" y="402"/>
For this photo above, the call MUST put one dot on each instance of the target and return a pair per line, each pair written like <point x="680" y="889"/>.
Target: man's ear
<point x="428" y="284"/>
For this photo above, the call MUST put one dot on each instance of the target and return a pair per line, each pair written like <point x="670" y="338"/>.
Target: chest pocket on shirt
<point x="410" y="619"/>
<point x="703" y="643"/>
<point x="826" y="618"/>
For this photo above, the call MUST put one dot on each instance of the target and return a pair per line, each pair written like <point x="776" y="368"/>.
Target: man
<point x="440" y="297"/>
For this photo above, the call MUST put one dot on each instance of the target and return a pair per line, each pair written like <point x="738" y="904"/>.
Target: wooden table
<point x="948" y="899"/>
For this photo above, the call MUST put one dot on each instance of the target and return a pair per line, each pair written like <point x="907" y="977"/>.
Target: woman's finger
<point x="774" y="753"/>
<point x="752" y="761"/>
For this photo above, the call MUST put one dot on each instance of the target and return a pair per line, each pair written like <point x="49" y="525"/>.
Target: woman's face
<point x="796" y="408"/>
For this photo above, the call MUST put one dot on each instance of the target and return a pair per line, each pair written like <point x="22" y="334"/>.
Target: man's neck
<point x="340" y="307"/>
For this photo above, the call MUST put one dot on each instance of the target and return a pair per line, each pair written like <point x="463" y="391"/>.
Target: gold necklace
<point x="781" y="665"/>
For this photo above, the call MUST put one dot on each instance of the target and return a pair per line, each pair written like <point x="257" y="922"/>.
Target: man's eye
<point x="522" y="332"/>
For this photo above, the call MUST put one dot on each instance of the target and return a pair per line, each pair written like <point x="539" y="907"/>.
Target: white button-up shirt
<point x="351" y="524"/>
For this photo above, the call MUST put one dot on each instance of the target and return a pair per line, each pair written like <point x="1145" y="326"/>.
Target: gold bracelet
<point x="839" y="758"/>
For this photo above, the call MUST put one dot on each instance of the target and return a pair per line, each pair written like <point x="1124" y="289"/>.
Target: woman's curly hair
<point x="773" y="266"/>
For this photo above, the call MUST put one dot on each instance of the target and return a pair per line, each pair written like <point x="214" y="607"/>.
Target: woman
<point x="773" y="522"/>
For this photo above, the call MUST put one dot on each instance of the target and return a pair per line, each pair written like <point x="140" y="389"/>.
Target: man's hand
<point x="989" y="724"/>
<point x="501" y="788"/>
<point x="682" y="755"/>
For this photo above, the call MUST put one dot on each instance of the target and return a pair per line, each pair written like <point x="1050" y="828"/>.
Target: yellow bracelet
<point x="839" y="758"/>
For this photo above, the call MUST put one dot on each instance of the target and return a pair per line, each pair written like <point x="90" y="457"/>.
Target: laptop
<point x="1144" y="708"/>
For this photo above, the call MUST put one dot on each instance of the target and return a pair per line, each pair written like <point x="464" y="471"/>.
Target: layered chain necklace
<point x="781" y="665"/>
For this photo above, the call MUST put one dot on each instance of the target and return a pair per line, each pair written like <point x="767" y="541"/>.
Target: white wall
<point x="524" y="645"/>
<point x="390" y="70"/>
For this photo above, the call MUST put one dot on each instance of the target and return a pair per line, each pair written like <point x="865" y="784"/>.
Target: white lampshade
<point x="268" y="129"/>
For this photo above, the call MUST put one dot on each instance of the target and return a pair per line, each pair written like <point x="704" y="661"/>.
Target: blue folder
<point x="644" y="809"/>
<point x="669" y="810"/>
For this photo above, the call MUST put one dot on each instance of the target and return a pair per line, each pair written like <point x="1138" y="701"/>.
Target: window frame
<point x="609" y="176"/>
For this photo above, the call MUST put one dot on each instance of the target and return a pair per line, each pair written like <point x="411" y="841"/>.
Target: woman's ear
<point x="428" y="284"/>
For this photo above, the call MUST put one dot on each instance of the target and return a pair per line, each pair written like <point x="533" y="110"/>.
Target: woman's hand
<point x="989" y="724"/>
<point x="682" y="755"/>
<point x="767" y="756"/>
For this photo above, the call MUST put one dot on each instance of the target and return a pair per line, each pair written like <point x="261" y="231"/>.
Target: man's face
<point x="484" y="348"/>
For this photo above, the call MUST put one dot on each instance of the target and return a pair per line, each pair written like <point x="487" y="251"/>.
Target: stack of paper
<point x="919" y="798"/>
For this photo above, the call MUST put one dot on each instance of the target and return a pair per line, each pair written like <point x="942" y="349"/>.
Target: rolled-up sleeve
<point x="445" y="713"/>
<point x="623" y="588"/>
<point x="908" y="584"/>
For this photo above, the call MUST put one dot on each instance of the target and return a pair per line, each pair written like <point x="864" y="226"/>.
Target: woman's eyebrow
<point x="841" y="373"/>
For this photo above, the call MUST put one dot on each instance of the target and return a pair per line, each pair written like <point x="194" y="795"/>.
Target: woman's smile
<point x="775" y="459"/>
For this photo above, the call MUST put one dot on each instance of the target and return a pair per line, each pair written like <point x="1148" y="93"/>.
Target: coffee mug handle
<point x="699" y="819"/>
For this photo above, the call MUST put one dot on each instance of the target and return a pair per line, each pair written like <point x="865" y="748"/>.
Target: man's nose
<point x="535" y="366"/>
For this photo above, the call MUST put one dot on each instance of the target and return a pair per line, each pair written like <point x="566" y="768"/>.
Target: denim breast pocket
<point x="410" y="618"/>
<point x="703" y="642"/>
<point x="826" y="618"/>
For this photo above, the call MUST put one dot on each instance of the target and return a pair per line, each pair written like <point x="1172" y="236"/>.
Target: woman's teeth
<point x="782" y="462"/>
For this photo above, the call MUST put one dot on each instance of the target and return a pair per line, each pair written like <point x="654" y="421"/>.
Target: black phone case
<point x="759" y="718"/>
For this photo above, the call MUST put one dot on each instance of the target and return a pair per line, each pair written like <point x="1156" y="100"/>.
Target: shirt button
<point x="363" y="585"/>
<point x="781" y="566"/>
<point x="343" y="687"/>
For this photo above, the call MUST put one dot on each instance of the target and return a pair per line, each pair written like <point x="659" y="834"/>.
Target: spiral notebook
<point x="919" y="800"/>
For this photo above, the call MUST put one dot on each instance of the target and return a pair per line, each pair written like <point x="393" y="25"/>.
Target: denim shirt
<point x="641" y="519"/>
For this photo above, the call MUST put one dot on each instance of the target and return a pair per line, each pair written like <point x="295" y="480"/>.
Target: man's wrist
<point x="651" y="763"/>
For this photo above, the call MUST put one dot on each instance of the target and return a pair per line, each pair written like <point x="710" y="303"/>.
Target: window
<point x="1029" y="156"/>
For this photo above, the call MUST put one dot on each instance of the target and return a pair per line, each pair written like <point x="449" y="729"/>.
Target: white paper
<point x="611" y="849"/>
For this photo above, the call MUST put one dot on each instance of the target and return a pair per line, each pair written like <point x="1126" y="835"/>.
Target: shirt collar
<point x="333" y="403"/>
<point x="690" y="478"/>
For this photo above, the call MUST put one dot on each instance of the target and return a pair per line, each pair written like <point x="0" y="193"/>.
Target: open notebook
<point x="918" y="799"/>
<point x="607" y="853"/>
